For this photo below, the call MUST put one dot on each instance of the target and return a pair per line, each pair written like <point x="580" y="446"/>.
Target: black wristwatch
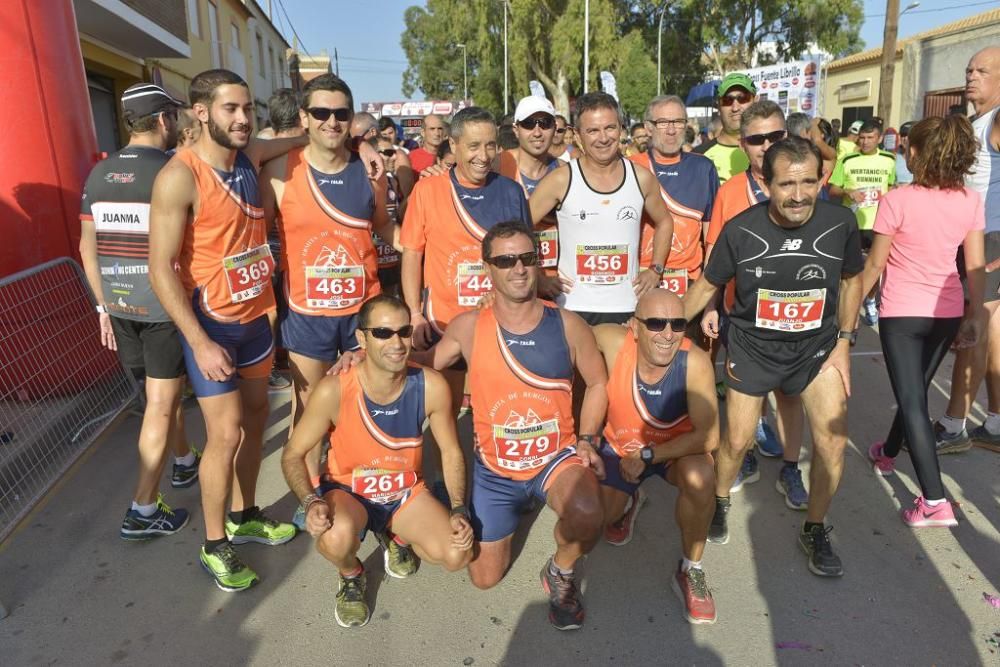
<point x="587" y="438"/>
<point x="849" y="336"/>
<point x="460" y="510"/>
<point x="657" y="269"/>
<point x="646" y="454"/>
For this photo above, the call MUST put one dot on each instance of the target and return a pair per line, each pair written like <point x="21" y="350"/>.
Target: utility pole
<point x="506" y="67"/>
<point x="336" y="62"/>
<point x="892" y="15"/>
<point x="659" y="49"/>
<point x="465" y="69"/>
<point x="586" y="44"/>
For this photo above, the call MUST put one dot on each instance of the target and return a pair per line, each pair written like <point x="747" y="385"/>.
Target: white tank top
<point x="985" y="178"/>
<point x="599" y="243"/>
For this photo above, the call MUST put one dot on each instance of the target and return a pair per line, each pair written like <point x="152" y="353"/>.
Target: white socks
<point x="187" y="460"/>
<point x="992" y="423"/>
<point x="952" y="425"/>
<point x="689" y="564"/>
<point x="145" y="510"/>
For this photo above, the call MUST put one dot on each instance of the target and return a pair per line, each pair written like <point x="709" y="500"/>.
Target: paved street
<point x="79" y="595"/>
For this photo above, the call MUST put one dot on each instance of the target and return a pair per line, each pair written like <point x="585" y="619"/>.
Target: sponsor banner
<point x="794" y="86"/>
<point x="609" y="85"/>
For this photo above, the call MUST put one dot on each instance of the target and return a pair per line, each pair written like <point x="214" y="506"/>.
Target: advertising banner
<point x="793" y="86"/>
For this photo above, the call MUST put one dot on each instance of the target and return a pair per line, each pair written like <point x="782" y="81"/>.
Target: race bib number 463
<point x="473" y="283"/>
<point x="675" y="280"/>
<point x="382" y="486"/>
<point x="602" y="264"/>
<point x="334" y="286"/>
<point x="790" y="311"/>
<point x="526" y="447"/>
<point x="248" y="273"/>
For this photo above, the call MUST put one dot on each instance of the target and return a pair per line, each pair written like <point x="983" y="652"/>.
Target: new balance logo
<point x="790" y="245"/>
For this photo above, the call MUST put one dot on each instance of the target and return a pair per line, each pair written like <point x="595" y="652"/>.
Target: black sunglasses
<point x="322" y="114"/>
<point x="560" y="130"/>
<point x="510" y="261"/>
<point x="759" y="139"/>
<point x="658" y="324"/>
<point x="388" y="152"/>
<point x="742" y="97"/>
<point x="385" y="333"/>
<point x="546" y="123"/>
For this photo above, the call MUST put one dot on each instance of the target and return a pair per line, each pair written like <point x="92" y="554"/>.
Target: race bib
<point x="790" y="311"/>
<point x="387" y="256"/>
<point x="675" y="280"/>
<point x="334" y="286"/>
<point x="382" y="486"/>
<point x="248" y="273"/>
<point x="548" y="247"/>
<point x="473" y="283"/>
<point x="526" y="447"/>
<point x="871" y="199"/>
<point x="602" y="264"/>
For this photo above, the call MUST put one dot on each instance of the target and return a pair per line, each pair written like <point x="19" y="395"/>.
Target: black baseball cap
<point x="146" y="99"/>
<point x="904" y="129"/>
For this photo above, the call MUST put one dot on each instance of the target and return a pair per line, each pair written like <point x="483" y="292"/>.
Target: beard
<point x="222" y="138"/>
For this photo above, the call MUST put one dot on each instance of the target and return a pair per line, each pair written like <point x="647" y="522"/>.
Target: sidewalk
<point x="79" y="595"/>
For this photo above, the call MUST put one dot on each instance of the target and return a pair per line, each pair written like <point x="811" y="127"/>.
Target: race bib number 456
<point x="602" y="264"/>
<point x="790" y="311"/>
<point x="248" y="273"/>
<point x="382" y="486"/>
<point x="334" y="286"/>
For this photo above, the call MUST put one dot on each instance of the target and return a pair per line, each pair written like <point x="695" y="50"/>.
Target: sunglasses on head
<point x="759" y="139"/>
<point x="743" y="97"/>
<point x="388" y="152"/>
<point x="658" y="324"/>
<point x="546" y="123"/>
<point x="322" y="114"/>
<point x="510" y="261"/>
<point x="385" y="333"/>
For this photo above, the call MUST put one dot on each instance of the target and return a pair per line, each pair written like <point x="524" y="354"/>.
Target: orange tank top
<point x="376" y="450"/>
<point x="329" y="258"/>
<point x="224" y="254"/>
<point x="641" y="415"/>
<point x="522" y="394"/>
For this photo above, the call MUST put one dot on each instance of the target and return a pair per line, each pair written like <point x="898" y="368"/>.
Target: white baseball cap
<point x="531" y="105"/>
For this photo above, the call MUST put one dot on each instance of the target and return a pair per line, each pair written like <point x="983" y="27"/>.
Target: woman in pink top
<point x="918" y="229"/>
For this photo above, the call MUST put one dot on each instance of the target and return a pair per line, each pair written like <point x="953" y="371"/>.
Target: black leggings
<point x="914" y="348"/>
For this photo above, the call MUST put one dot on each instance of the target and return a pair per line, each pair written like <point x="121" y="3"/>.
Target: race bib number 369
<point x="790" y="311"/>
<point x="248" y="273"/>
<point x="334" y="286"/>
<point x="602" y="264"/>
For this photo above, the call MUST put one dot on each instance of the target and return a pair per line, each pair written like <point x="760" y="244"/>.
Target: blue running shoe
<point x="869" y="312"/>
<point x="184" y="476"/>
<point x="164" y="521"/>
<point x="767" y="440"/>
<point x="789" y="484"/>
<point x="749" y="472"/>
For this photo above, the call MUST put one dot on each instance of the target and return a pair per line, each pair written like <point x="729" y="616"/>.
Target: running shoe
<point x="690" y="586"/>
<point x="979" y="434"/>
<point x="257" y="527"/>
<point x="922" y="515"/>
<point x="230" y="573"/>
<point x="767" y="440"/>
<point x="619" y="533"/>
<point x="718" y="530"/>
<point x="869" y="312"/>
<point x="749" y="472"/>
<point x="351" y="610"/>
<point x="184" y="476"/>
<point x="822" y="560"/>
<point x="398" y="559"/>
<point x="789" y="484"/>
<point x="565" y="607"/>
<point x="163" y="521"/>
<point x="299" y="518"/>
<point x="276" y="380"/>
<point x="946" y="442"/>
<point x="884" y="465"/>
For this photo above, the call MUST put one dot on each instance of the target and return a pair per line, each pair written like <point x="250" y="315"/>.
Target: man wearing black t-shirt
<point x="796" y="263"/>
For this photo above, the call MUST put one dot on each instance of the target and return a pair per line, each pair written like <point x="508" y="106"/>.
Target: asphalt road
<point x="79" y="595"/>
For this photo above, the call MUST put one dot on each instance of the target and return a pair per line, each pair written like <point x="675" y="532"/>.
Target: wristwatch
<point x="587" y="438"/>
<point x="849" y="336"/>
<point x="460" y="510"/>
<point x="646" y="454"/>
<point x="101" y="308"/>
<point x="657" y="269"/>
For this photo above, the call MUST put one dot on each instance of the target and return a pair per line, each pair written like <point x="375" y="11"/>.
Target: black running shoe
<point x="822" y="560"/>
<point x="718" y="531"/>
<point x="565" y="607"/>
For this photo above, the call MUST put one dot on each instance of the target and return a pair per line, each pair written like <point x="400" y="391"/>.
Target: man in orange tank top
<point x="522" y="355"/>
<point x="205" y="212"/>
<point x="663" y="420"/>
<point x="325" y="208"/>
<point x="375" y="414"/>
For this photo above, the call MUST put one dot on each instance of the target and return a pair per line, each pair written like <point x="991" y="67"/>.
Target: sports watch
<point x="646" y="454"/>
<point x="849" y="336"/>
<point x="657" y="269"/>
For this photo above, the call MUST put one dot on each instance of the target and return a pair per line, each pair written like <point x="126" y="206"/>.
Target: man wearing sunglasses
<point x="599" y="202"/>
<point x="736" y="92"/>
<point x="522" y="355"/>
<point x="796" y="265"/>
<point x="374" y="415"/>
<point x="663" y="420"/>
<point x="688" y="183"/>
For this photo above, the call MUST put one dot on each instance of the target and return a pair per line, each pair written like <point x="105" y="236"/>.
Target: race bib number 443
<point x="473" y="283"/>
<point x="248" y="273"/>
<point x="334" y="286"/>
<point x="602" y="264"/>
<point x="382" y="486"/>
<point x="790" y="311"/>
<point x="526" y="447"/>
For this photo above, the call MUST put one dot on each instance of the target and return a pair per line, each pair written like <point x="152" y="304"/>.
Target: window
<point x="213" y="34"/>
<point x="262" y="64"/>
<point x="194" y="19"/>
<point x="234" y="31"/>
<point x="851" y="114"/>
<point x="276" y="83"/>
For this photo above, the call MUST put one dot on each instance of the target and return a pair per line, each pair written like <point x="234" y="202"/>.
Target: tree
<point x="635" y="72"/>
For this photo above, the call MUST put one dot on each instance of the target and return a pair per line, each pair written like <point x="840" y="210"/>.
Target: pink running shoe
<point x="884" y="465"/>
<point x="922" y="515"/>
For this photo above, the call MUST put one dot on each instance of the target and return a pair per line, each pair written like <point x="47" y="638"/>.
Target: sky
<point x="366" y="34"/>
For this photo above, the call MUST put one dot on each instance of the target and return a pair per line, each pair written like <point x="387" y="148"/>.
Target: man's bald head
<point x="362" y="124"/>
<point x="659" y="303"/>
<point x="656" y="314"/>
<point x="982" y="79"/>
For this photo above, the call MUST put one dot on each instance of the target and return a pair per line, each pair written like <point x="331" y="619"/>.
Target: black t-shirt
<point x="787" y="280"/>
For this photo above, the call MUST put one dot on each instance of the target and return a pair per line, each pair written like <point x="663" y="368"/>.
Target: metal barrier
<point x="59" y="387"/>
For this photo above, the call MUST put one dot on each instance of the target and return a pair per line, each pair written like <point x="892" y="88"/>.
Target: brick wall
<point x="171" y="15"/>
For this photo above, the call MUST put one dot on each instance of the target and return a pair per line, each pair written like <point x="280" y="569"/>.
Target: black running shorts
<point x="153" y="347"/>
<point x="756" y="366"/>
